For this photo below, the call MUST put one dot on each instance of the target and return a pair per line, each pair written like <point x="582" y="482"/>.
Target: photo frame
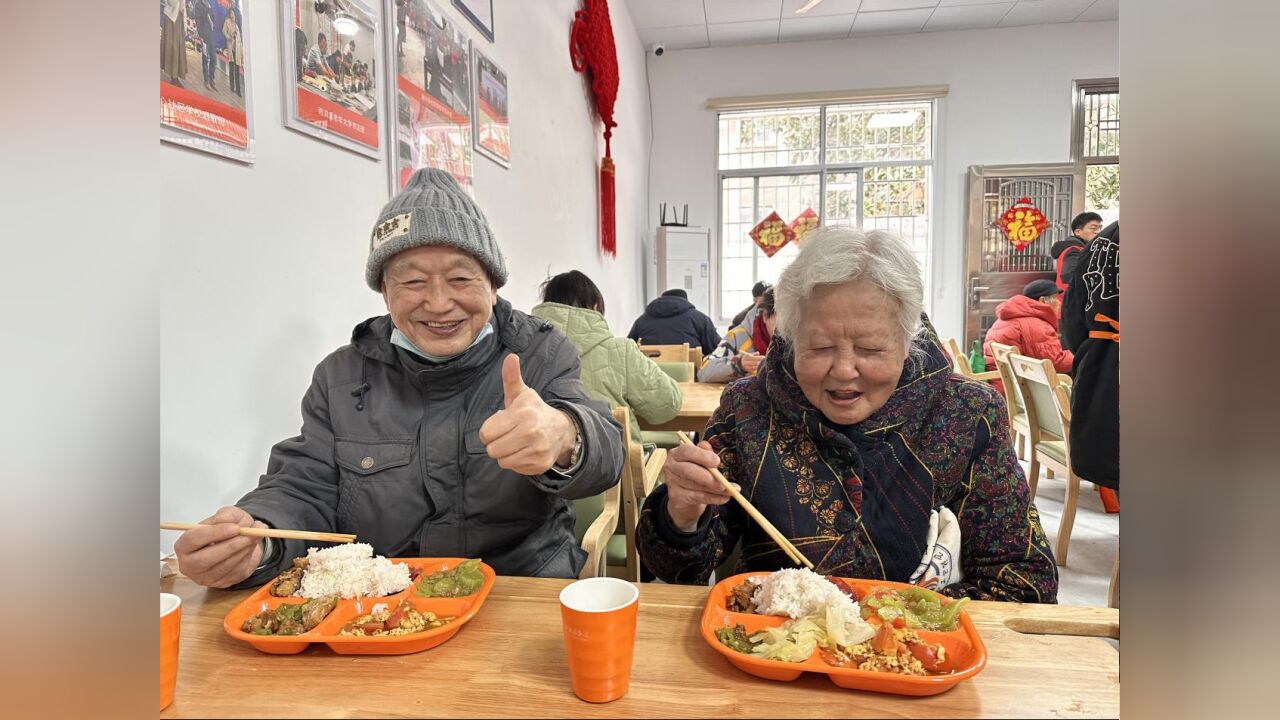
<point x="331" y="55"/>
<point x="490" y="115"/>
<point x="429" y="113"/>
<point x="206" y="94"/>
<point x="480" y="13"/>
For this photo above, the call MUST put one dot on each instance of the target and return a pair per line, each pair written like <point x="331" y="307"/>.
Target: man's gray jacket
<point x="390" y="451"/>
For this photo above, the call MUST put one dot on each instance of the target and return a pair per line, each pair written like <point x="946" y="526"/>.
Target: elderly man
<point x="453" y="426"/>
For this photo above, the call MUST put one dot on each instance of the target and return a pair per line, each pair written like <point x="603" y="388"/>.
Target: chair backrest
<point x="695" y="356"/>
<point x="595" y="519"/>
<point x="1043" y="394"/>
<point x="1012" y="395"/>
<point x="959" y="361"/>
<point x="632" y="487"/>
<point x="679" y="371"/>
<point x="666" y="353"/>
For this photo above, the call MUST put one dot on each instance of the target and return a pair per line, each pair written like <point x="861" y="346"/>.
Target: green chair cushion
<point x="1055" y="449"/>
<point x="616" y="551"/>
<point x="661" y="438"/>
<point x="585" y="511"/>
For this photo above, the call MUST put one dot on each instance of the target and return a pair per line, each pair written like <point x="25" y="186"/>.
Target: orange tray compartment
<point x="463" y="608"/>
<point x="966" y="655"/>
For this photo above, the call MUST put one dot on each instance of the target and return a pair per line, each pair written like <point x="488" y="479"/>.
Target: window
<point x="865" y="164"/>
<point x="1095" y="140"/>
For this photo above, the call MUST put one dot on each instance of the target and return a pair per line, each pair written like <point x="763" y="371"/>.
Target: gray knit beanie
<point x="432" y="210"/>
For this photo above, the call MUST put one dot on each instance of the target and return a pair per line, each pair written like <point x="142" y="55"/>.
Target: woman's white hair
<point x="841" y="255"/>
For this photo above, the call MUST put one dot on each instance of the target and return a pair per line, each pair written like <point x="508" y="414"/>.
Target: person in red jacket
<point x="1030" y="321"/>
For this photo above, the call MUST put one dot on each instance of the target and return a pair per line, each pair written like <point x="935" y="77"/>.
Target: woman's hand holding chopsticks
<point x="696" y="495"/>
<point x="690" y="485"/>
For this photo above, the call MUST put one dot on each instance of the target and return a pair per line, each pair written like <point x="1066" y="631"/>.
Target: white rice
<point x="799" y="592"/>
<point x="351" y="571"/>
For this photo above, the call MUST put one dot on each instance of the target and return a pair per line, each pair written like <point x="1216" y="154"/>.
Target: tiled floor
<point x="1095" y="538"/>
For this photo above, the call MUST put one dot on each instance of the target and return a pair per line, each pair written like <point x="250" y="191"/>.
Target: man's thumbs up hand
<point x="527" y="436"/>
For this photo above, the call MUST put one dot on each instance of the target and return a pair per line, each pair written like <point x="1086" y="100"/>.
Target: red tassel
<point x="608" y="220"/>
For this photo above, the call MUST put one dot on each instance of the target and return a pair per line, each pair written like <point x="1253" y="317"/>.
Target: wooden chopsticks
<point x="274" y="533"/>
<point x="768" y="527"/>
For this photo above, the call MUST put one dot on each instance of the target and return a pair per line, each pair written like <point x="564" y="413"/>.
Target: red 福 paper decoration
<point x="1022" y="223"/>
<point x="772" y="233"/>
<point x="591" y="48"/>
<point x="805" y="223"/>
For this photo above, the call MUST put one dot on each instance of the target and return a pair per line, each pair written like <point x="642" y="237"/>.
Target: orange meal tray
<point x="965" y="652"/>
<point x="463" y="608"/>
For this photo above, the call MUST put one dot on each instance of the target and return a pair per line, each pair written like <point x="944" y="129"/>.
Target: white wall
<point x="1009" y="102"/>
<point x="264" y="265"/>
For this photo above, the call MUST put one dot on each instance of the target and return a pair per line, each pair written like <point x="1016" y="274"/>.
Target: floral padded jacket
<point x="856" y="500"/>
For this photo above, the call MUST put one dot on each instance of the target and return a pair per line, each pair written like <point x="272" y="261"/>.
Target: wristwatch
<point x="575" y="456"/>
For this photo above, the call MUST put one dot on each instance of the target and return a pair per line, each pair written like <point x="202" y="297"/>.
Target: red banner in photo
<point x="331" y="116"/>
<point x="424" y="98"/>
<point x="491" y="113"/>
<point x="195" y="113"/>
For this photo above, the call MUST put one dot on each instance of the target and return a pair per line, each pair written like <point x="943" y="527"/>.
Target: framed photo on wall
<point x="430" y="125"/>
<point x="330" y="54"/>
<point x="492" y="126"/>
<point x="480" y="13"/>
<point x="205" y="98"/>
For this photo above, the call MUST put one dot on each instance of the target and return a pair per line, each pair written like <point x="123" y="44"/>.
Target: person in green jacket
<point x="613" y="368"/>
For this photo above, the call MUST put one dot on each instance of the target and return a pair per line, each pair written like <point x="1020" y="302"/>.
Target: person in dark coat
<point x="1067" y="253"/>
<point x="453" y="426"/>
<point x="1091" y="328"/>
<point x="203" y="14"/>
<point x="671" y="320"/>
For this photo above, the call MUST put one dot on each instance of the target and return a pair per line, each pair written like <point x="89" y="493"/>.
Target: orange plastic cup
<point x="599" y="617"/>
<point x="170" y="623"/>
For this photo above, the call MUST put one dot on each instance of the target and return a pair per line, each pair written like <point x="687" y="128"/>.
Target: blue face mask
<point x="398" y="338"/>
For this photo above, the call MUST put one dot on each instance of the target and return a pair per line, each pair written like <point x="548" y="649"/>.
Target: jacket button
<point x="844" y="522"/>
<point x="366" y="463"/>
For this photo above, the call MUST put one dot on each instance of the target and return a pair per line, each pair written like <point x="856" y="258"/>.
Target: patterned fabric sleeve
<point x="689" y="558"/>
<point x="1004" y="553"/>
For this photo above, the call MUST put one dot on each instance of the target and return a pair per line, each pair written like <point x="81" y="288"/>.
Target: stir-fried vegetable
<point x="462" y="580"/>
<point x="915" y="608"/>
<point x="291" y="618"/>
<point x="735" y="638"/>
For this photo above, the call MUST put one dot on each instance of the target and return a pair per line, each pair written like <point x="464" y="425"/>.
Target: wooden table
<point x="509" y="661"/>
<point x="700" y="400"/>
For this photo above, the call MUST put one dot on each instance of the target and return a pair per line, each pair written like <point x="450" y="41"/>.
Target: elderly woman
<point x="858" y="443"/>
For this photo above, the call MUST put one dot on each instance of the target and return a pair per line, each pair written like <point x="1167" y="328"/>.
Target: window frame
<point x="1079" y="90"/>
<point x="822" y="169"/>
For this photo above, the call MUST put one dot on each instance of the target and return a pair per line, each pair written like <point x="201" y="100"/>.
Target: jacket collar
<point x="585" y="328"/>
<point x="1020" y="306"/>
<point x="372" y="338"/>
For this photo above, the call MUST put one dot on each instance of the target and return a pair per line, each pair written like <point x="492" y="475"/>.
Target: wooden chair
<point x="639" y="478"/>
<point x="960" y="362"/>
<point x="1012" y="395"/>
<point x="596" y="519"/>
<point x="666" y="353"/>
<point x="1048" y="411"/>
<point x="695" y="356"/>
